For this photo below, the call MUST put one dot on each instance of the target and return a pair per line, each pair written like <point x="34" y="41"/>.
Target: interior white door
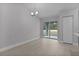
<point x="67" y="29"/>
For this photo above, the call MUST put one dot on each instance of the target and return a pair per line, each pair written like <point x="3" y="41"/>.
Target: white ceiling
<point x="51" y="9"/>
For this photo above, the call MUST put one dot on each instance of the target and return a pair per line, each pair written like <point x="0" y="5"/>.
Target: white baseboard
<point x="75" y="44"/>
<point x="16" y="45"/>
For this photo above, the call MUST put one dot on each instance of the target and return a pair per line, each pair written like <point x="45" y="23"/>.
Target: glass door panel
<point x="53" y="29"/>
<point x="46" y="29"/>
<point x="50" y="29"/>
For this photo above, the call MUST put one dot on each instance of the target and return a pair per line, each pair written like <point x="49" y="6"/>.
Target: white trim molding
<point x="16" y="45"/>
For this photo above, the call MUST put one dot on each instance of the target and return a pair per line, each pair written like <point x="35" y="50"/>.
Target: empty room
<point x="39" y="29"/>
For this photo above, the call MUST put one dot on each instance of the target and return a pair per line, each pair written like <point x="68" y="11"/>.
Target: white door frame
<point x="72" y="26"/>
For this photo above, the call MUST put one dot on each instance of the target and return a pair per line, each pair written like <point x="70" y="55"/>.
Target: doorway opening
<point x="50" y="30"/>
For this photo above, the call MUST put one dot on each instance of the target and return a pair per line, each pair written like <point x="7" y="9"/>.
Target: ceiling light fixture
<point x="34" y="13"/>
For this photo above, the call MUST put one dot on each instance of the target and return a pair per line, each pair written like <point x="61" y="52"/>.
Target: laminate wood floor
<point x="43" y="47"/>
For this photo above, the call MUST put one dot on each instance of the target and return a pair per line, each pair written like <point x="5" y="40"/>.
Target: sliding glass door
<point x="53" y="29"/>
<point x="50" y="29"/>
<point x="46" y="29"/>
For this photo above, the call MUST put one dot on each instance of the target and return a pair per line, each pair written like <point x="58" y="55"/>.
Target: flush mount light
<point x="36" y="12"/>
<point x="32" y="13"/>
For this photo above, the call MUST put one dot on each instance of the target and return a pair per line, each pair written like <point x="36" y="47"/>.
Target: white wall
<point x="16" y="25"/>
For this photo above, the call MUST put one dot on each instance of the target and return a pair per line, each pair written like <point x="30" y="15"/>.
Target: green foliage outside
<point x="53" y="25"/>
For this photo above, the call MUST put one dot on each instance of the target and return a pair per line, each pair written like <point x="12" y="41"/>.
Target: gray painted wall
<point x="16" y="25"/>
